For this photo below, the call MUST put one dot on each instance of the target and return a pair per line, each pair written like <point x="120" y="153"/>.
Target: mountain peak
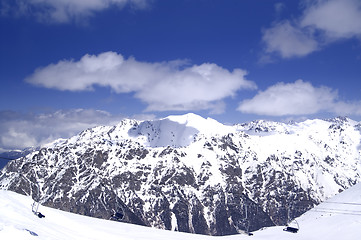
<point x="176" y="130"/>
<point x="203" y="125"/>
<point x="189" y="174"/>
<point x="188" y="117"/>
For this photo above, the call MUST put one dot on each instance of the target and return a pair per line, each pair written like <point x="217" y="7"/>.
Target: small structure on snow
<point x="34" y="209"/>
<point x="292" y="227"/>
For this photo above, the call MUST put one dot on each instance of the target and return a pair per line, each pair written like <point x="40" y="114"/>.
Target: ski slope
<point x="337" y="218"/>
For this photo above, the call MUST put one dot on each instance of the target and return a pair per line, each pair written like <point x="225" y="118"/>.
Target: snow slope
<point x="194" y="174"/>
<point x="177" y="130"/>
<point x="18" y="222"/>
<point x="337" y="218"/>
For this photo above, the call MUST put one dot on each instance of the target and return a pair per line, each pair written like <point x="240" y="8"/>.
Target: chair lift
<point x="34" y="209"/>
<point x="35" y="205"/>
<point x="292" y="227"/>
<point x="118" y="216"/>
<point x="248" y="223"/>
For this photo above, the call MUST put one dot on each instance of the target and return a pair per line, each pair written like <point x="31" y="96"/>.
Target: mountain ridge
<point x="174" y="174"/>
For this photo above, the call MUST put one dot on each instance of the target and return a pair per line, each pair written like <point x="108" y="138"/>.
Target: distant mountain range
<point x="191" y="174"/>
<point x="7" y="156"/>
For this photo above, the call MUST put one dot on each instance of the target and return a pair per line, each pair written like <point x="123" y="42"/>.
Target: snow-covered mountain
<point x="337" y="218"/>
<point x="7" y="156"/>
<point x="191" y="174"/>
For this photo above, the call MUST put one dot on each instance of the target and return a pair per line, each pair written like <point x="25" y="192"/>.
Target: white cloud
<point x="19" y="131"/>
<point x="321" y="23"/>
<point x="63" y="11"/>
<point x="298" y="98"/>
<point x="162" y="85"/>
<point x="336" y="18"/>
<point x="289" y="41"/>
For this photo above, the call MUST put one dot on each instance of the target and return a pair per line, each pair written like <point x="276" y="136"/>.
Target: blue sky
<point x="68" y="65"/>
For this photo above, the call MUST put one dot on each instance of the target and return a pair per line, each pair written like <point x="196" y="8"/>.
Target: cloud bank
<point x="63" y="11"/>
<point x="19" y="130"/>
<point x="322" y="22"/>
<point x="298" y="98"/>
<point x="162" y="86"/>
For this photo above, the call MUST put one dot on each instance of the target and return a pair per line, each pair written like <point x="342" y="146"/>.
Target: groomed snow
<point x="338" y="218"/>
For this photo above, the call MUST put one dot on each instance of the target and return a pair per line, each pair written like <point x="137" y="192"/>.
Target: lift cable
<point x="335" y="209"/>
<point x="346" y="203"/>
<point x="337" y="212"/>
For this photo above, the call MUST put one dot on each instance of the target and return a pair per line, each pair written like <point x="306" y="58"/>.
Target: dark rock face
<point x="84" y="185"/>
<point x="218" y="185"/>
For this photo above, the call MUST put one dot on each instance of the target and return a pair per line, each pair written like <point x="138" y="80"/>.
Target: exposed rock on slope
<point x="191" y="174"/>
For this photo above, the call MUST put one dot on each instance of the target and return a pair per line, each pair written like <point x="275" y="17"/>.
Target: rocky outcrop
<point x="249" y="177"/>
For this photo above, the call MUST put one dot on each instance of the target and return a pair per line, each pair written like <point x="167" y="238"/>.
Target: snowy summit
<point x="190" y="174"/>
